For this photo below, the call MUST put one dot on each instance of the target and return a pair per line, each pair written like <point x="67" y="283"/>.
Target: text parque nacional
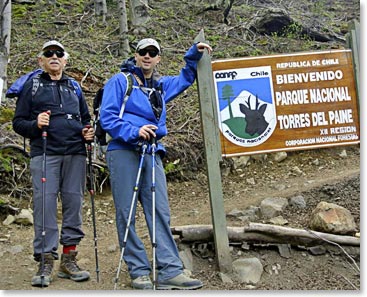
<point x="315" y="95"/>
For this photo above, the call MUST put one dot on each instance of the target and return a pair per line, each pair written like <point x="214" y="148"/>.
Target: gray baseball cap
<point x="52" y="43"/>
<point x="148" y="42"/>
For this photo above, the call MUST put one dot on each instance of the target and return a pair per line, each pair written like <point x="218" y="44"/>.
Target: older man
<point x="54" y="117"/>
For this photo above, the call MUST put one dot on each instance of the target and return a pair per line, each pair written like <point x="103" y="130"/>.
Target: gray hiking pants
<point x="65" y="175"/>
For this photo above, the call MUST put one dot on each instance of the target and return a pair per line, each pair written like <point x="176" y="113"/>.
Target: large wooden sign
<point x="286" y="102"/>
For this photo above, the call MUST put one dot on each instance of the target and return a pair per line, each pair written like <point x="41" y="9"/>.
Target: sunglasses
<point x="50" y="53"/>
<point x="152" y="53"/>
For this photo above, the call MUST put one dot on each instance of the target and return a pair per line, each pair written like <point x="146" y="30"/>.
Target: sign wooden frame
<point x="304" y="100"/>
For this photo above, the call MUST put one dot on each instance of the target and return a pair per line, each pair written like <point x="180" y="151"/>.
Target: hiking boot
<point x="180" y="282"/>
<point x="37" y="280"/>
<point x="142" y="283"/>
<point x="69" y="268"/>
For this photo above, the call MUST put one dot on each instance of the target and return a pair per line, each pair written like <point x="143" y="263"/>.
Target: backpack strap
<point x="140" y="83"/>
<point x="129" y="88"/>
<point x="74" y="84"/>
<point x="36" y="84"/>
<point x="147" y="90"/>
<point x="76" y="87"/>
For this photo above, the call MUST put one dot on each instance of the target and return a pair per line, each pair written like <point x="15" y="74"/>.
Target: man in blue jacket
<point x="141" y="121"/>
<point x="49" y="103"/>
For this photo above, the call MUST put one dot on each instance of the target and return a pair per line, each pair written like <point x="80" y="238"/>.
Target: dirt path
<point x="190" y="204"/>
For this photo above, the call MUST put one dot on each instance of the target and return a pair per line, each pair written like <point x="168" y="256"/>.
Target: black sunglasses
<point x="50" y="53"/>
<point x="152" y="53"/>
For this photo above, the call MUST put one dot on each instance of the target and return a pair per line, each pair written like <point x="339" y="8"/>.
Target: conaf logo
<point x="247" y="119"/>
<point x="229" y="74"/>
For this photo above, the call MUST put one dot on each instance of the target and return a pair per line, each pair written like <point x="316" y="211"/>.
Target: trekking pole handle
<point x="44" y="128"/>
<point x="88" y="127"/>
<point x="153" y="140"/>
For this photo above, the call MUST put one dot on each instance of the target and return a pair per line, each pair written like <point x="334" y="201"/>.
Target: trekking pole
<point x="91" y="191"/>
<point x="154" y="244"/>
<point x="136" y="187"/>
<point x="43" y="180"/>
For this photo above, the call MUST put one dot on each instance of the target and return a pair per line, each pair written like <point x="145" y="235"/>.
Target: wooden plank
<point x="1" y="89"/>
<point x="354" y="26"/>
<point x="354" y="44"/>
<point x="209" y="122"/>
<point x="355" y="51"/>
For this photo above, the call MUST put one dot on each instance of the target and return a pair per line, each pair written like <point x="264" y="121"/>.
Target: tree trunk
<point x="256" y="232"/>
<point x="100" y="9"/>
<point x="139" y="16"/>
<point x="5" y="9"/>
<point x="124" y="41"/>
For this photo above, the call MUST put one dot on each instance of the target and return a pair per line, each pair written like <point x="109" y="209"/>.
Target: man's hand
<point x="201" y="46"/>
<point x="147" y="131"/>
<point x="43" y="119"/>
<point x="88" y="133"/>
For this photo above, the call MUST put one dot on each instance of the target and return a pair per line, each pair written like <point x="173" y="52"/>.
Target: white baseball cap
<point x="52" y="43"/>
<point x="147" y="42"/>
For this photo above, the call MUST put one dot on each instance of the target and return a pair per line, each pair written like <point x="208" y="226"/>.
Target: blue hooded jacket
<point x="138" y="110"/>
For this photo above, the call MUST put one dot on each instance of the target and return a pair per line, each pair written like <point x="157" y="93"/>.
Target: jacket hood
<point x="129" y="65"/>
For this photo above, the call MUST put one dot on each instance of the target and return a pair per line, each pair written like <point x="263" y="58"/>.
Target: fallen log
<point x="257" y="232"/>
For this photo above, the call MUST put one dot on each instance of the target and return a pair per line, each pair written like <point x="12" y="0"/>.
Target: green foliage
<point x="172" y="167"/>
<point x="9" y="164"/>
<point x="18" y="11"/>
<point x="66" y="5"/>
<point x="293" y="31"/>
<point x="194" y="87"/>
<point x="5" y="161"/>
<point x="214" y="39"/>
<point x="6" y="115"/>
<point x="319" y="7"/>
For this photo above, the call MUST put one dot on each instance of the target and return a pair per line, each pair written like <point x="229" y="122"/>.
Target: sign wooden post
<point x="208" y="111"/>
<point x="353" y="42"/>
<point x="1" y="89"/>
